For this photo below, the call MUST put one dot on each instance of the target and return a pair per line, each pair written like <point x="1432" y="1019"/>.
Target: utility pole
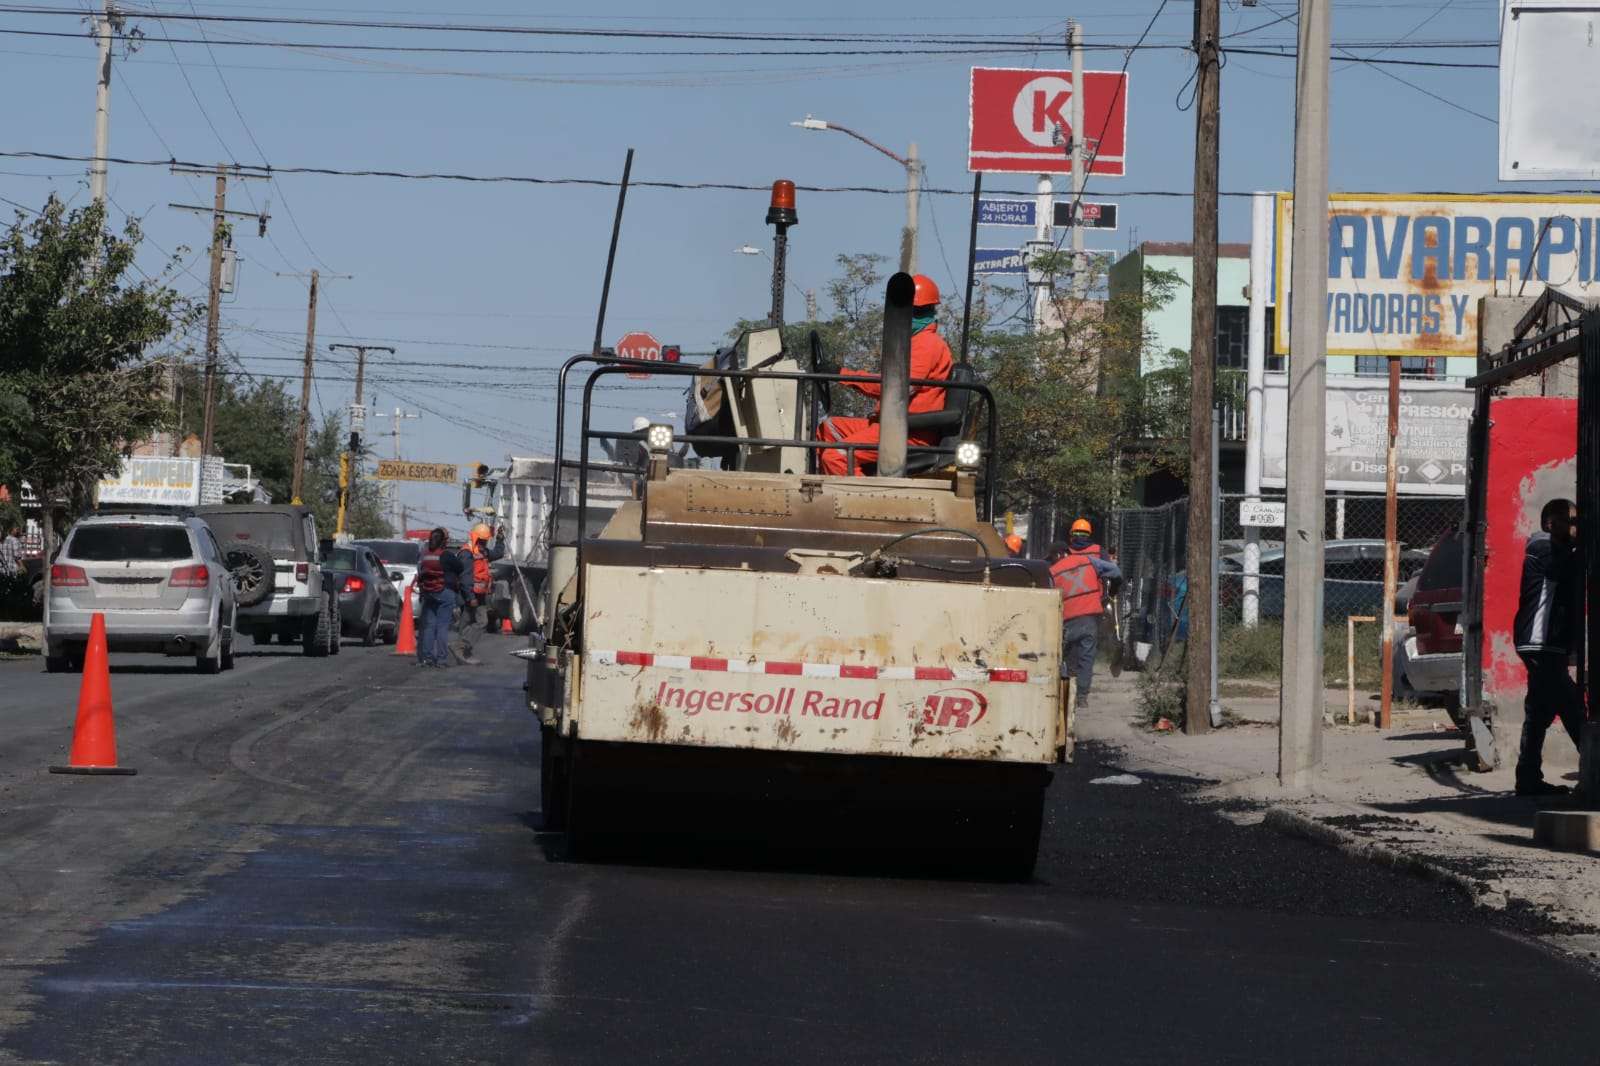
<point x="107" y="22"/>
<point x="1300" y="707"/>
<point x="358" y="421"/>
<point x="1080" y="265"/>
<point x="908" y="243"/>
<point x="398" y="509"/>
<point x="1202" y="367"/>
<point x="221" y="237"/>
<point x="305" y="394"/>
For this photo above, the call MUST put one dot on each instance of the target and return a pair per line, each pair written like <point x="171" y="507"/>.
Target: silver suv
<point x="160" y="581"/>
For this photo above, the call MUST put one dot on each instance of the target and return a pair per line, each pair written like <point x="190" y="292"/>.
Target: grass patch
<point x="1245" y="654"/>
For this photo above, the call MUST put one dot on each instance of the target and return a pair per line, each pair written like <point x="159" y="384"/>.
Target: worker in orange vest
<point x="1080" y="539"/>
<point x="476" y="582"/>
<point x="930" y="361"/>
<point x="1081" y="577"/>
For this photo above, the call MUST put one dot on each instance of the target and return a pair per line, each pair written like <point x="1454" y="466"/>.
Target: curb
<point x="1292" y="823"/>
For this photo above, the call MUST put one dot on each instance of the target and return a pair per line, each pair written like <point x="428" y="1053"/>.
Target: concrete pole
<point x="1201" y="565"/>
<point x="1391" y="547"/>
<point x="1300" y="707"/>
<point x="305" y="395"/>
<point x="1255" y="384"/>
<point x="102" y="105"/>
<point x="219" y="215"/>
<point x="1080" y="265"/>
<point x="908" y="240"/>
<point x="1043" y="212"/>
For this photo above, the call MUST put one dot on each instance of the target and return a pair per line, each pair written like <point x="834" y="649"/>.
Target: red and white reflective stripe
<point x="790" y="668"/>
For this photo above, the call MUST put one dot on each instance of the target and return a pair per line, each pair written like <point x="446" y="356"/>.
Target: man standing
<point x="1549" y="616"/>
<point x="476" y="582"/>
<point x="930" y="361"/>
<point x="1081" y="581"/>
<point x="10" y="552"/>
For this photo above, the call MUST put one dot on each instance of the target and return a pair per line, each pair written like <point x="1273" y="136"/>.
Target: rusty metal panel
<point x="820" y="663"/>
<point x="732" y="498"/>
<point x="884" y="507"/>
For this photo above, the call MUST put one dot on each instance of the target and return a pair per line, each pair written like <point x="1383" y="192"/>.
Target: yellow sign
<point x="400" y="470"/>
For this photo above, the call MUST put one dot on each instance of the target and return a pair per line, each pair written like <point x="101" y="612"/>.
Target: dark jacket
<point x="1548" y="603"/>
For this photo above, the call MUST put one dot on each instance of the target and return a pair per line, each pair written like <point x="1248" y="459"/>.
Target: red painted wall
<point x="1532" y="460"/>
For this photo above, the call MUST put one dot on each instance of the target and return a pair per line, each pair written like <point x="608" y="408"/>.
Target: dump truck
<point x="764" y="638"/>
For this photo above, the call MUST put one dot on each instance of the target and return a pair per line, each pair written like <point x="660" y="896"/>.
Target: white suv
<point x="159" y="580"/>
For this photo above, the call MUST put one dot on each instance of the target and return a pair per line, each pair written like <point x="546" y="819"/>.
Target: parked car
<point x="1431" y="641"/>
<point x="273" y="553"/>
<point x="1352" y="577"/>
<point x="400" y="557"/>
<point x="160" y="581"/>
<point x="369" y="602"/>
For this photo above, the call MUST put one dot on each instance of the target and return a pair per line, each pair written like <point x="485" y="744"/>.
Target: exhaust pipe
<point x="896" y="376"/>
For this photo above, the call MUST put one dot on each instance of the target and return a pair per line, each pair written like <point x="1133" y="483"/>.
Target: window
<point x="342" y="559"/>
<point x="104" y="544"/>
<point x="1411" y="366"/>
<point x="1233" y="336"/>
<point x="405" y="552"/>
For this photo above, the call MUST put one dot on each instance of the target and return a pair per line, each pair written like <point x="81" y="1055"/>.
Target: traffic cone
<point x="505" y="625"/>
<point x="406" y="642"/>
<point x="94" y="734"/>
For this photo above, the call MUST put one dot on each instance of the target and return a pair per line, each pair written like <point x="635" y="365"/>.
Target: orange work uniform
<point x="930" y="360"/>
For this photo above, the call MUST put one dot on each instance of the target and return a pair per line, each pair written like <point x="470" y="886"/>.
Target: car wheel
<point x="370" y="637"/>
<point x="56" y="664"/>
<point x="314" y="638"/>
<point x="254" y="572"/>
<point x="521" y="613"/>
<point x="261" y="637"/>
<point x="227" y="655"/>
<point x="335" y="628"/>
<point x="211" y="661"/>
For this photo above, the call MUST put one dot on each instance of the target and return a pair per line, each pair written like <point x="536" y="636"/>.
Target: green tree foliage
<point x="320" y="490"/>
<point x="82" y="378"/>
<point x="255" y="423"/>
<point x="1078" y="421"/>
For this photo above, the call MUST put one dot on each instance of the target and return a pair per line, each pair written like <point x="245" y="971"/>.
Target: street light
<point x="805" y="294"/>
<point x="913" y="169"/>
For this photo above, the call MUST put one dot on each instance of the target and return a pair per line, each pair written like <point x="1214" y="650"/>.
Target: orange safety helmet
<point x="1082" y="526"/>
<point x="925" y="293"/>
<point x="481" y="533"/>
<point x="1014" y="544"/>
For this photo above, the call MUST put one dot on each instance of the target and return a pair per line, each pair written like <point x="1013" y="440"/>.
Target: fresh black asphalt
<point x="340" y="861"/>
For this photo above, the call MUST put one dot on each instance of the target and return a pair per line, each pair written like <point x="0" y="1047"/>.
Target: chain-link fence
<point x="1152" y="607"/>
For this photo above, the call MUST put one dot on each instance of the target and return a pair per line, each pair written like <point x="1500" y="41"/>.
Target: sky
<point x="509" y="275"/>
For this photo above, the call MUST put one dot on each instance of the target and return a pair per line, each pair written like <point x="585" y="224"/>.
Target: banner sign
<point x="999" y="261"/>
<point x="400" y="470"/>
<point x="170" y="482"/>
<point x="1405" y="272"/>
<point x="1432" y="445"/>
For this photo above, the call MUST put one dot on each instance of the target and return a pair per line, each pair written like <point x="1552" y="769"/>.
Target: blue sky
<point x="509" y="275"/>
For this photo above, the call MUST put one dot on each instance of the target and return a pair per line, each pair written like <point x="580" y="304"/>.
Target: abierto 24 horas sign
<point x="1405" y="272"/>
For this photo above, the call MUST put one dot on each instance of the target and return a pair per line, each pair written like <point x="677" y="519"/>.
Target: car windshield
<point x="272" y="531"/>
<point x="395" y="552"/>
<point x="343" y="559"/>
<point x="134" y="542"/>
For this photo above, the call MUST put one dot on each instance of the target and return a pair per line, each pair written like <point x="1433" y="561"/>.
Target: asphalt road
<point x="339" y="861"/>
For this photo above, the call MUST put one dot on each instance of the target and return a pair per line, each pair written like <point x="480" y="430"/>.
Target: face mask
<point x="922" y="322"/>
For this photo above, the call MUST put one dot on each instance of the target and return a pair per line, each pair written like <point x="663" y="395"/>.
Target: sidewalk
<point x="1389" y="796"/>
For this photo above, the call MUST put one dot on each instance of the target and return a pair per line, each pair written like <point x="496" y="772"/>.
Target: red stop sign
<point x="639" y="345"/>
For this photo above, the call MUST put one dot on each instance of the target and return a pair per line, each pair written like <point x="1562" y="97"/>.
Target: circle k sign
<point x="1015" y="115"/>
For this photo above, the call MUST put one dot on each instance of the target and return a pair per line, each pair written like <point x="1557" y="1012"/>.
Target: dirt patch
<point x="649" y="721"/>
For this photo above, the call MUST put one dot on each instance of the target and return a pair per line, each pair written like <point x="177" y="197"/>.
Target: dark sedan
<point x="369" y="602"/>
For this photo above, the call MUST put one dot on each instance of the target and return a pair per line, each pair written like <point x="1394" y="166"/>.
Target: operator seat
<point x="952" y="423"/>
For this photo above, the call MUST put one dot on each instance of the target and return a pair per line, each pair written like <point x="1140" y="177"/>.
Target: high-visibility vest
<point x="482" y="581"/>
<point x="1075" y="576"/>
<point x="1087" y="549"/>
<point x="430" y="571"/>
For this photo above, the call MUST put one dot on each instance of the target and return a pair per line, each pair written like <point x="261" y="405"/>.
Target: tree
<point x="320" y="491"/>
<point x="82" y="382"/>
<point x="254" y="423"/>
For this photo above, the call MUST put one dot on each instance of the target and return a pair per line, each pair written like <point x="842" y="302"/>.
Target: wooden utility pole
<point x="1203" y="365"/>
<point x="305" y="395"/>
<point x="219" y="242"/>
<point x="350" y="463"/>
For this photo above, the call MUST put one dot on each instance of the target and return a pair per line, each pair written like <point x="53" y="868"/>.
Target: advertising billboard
<point x="165" y="482"/>
<point x="1432" y="445"/>
<point x="1405" y="272"/>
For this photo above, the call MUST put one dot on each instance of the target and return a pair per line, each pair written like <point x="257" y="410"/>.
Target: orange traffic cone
<point x="505" y="625"/>
<point x="94" y="734"/>
<point x="406" y="642"/>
